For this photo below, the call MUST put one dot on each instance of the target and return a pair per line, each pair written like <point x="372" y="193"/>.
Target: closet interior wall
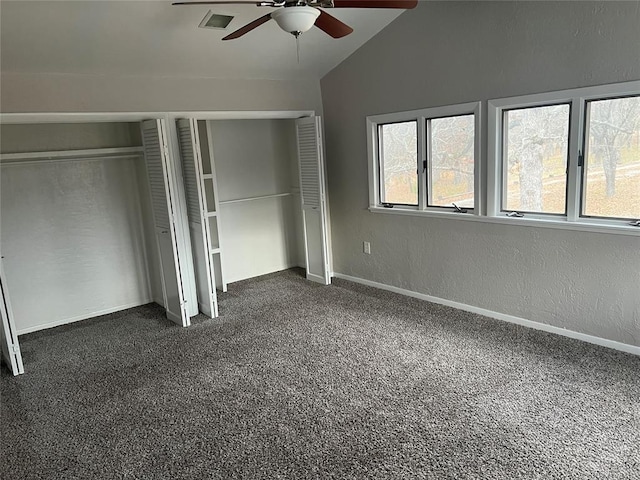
<point x="256" y="165"/>
<point x="76" y="232"/>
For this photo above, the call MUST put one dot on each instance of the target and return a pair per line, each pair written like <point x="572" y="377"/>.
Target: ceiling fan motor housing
<point x="295" y="20"/>
<point x="298" y="16"/>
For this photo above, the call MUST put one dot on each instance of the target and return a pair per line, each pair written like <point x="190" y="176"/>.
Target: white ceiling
<point x="155" y="38"/>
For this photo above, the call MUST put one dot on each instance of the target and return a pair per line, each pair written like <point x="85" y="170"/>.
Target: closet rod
<point x="251" y="199"/>
<point x="96" y="153"/>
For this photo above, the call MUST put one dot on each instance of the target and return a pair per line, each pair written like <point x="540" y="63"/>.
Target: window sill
<point x="561" y="224"/>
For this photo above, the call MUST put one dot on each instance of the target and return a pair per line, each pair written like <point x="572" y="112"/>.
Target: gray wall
<point x="452" y="52"/>
<point x="51" y="92"/>
<point x="42" y="137"/>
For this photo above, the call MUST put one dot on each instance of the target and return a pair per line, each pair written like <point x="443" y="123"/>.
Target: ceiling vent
<point x="215" y="20"/>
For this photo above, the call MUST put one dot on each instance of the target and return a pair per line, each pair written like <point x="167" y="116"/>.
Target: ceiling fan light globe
<point x="296" y="19"/>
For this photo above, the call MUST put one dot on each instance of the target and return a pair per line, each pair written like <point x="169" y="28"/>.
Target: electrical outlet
<point x="366" y="248"/>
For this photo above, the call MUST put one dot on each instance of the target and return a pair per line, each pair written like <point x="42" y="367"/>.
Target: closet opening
<point x="79" y="225"/>
<point x="259" y="196"/>
<point x="248" y="215"/>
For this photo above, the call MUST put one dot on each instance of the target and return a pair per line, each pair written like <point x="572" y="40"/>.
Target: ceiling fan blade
<point x="406" y="4"/>
<point x="332" y="26"/>
<point x="224" y="2"/>
<point x="248" y="27"/>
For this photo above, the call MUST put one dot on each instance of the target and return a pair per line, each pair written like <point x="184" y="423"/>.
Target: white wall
<point x="454" y="52"/>
<point x="253" y="158"/>
<point x="72" y="240"/>
<point x="73" y="232"/>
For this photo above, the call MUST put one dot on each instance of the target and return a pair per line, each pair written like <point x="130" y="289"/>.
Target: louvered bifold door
<point x="191" y="153"/>
<point x="10" y="346"/>
<point x="162" y="205"/>
<point x="312" y="195"/>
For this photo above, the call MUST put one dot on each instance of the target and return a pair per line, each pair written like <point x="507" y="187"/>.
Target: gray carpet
<point x="300" y="381"/>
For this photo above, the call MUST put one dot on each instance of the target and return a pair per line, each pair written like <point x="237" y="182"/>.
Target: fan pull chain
<point x="298" y="47"/>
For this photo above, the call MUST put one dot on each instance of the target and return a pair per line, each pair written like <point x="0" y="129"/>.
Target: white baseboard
<point x="624" y="347"/>
<point x="85" y="316"/>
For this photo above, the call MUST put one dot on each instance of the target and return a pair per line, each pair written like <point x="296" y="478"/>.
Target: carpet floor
<point x="300" y="381"/>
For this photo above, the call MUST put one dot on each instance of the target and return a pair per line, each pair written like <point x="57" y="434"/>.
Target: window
<point x="570" y="156"/>
<point x="567" y="159"/>
<point x="425" y="159"/>
<point x="534" y="160"/>
<point x="611" y="177"/>
<point x="398" y="143"/>
<point x="451" y="161"/>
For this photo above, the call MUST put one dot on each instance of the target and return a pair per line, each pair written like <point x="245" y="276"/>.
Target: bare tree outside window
<point x="451" y="178"/>
<point x="398" y="161"/>
<point x="424" y="161"/>
<point x="535" y="167"/>
<point x="612" y="163"/>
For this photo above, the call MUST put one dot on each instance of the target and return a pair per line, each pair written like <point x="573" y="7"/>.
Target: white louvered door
<point x="10" y="346"/>
<point x="199" y="215"/>
<point x="312" y="195"/>
<point x="162" y="205"/>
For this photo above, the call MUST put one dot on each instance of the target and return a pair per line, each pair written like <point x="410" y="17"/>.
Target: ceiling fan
<point x="298" y="16"/>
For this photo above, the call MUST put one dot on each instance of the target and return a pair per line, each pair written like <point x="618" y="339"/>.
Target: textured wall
<point x="72" y="240"/>
<point x="76" y="235"/>
<point x="454" y="52"/>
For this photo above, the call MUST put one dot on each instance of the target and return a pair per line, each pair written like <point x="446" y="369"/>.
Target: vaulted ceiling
<point x="155" y="38"/>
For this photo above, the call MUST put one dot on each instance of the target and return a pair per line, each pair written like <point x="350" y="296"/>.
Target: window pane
<point x="399" y="162"/>
<point x="612" y="164"/>
<point x="535" y="159"/>
<point x="451" y="169"/>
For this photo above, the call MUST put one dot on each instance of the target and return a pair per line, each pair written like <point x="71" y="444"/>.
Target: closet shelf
<point x="61" y="155"/>
<point x="251" y="199"/>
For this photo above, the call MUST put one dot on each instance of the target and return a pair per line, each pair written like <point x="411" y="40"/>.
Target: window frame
<point x="487" y="193"/>
<point x="585" y="153"/>
<point x="577" y="100"/>
<point x="379" y="147"/>
<point x="428" y="169"/>
<point x="503" y="178"/>
<point x="422" y="116"/>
